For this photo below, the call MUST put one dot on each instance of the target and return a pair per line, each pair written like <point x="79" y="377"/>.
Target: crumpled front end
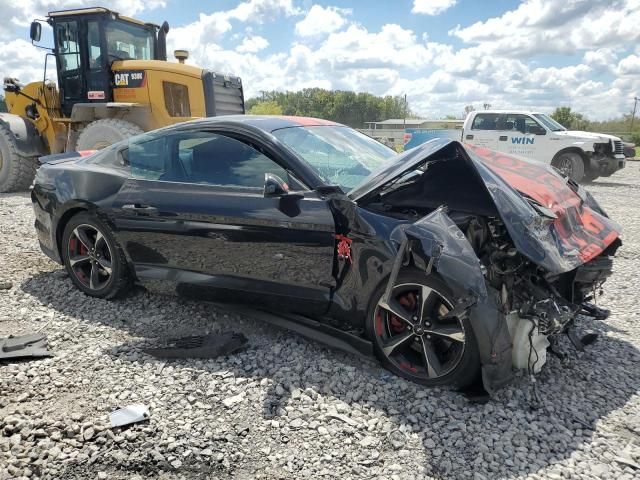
<point x="524" y="249"/>
<point x="556" y="224"/>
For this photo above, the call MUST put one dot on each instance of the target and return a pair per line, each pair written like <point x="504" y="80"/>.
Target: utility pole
<point x="633" y="115"/>
<point x="404" y="120"/>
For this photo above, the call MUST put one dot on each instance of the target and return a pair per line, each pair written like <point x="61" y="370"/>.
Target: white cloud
<point x="19" y="59"/>
<point x="21" y="13"/>
<point x="252" y="44"/>
<point x="320" y="20"/>
<point x="629" y="65"/>
<point x="498" y="61"/>
<point x="601" y="59"/>
<point x="202" y="37"/>
<point x="550" y="26"/>
<point x="432" y="7"/>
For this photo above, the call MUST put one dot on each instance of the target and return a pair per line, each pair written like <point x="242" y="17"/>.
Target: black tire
<point x="570" y="164"/>
<point x="458" y="362"/>
<point x="107" y="257"/>
<point x="102" y="133"/>
<point x="16" y="171"/>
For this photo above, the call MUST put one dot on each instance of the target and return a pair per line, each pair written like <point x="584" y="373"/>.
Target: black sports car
<point x="446" y="261"/>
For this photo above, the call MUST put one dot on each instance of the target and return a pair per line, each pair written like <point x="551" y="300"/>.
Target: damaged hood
<point x="552" y="221"/>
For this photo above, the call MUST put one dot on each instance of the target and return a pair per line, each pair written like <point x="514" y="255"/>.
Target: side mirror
<point x="538" y="131"/>
<point x="35" y="32"/>
<point x="274" y="186"/>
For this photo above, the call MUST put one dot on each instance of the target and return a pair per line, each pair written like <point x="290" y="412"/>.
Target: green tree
<point x="570" y="119"/>
<point x="349" y="108"/>
<point x="3" y="105"/>
<point x="265" y="108"/>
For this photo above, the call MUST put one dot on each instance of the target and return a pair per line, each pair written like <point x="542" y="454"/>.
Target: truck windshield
<point x="339" y="155"/>
<point x="127" y="41"/>
<point x="549" y="122"/>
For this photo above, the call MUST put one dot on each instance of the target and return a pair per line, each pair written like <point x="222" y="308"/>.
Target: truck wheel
<point x="16" y="171"/>
<point x="571" y="165"/>
<point x="102" y="133"/>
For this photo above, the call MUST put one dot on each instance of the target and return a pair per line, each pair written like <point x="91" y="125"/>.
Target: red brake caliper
<point x="408" y="301"/>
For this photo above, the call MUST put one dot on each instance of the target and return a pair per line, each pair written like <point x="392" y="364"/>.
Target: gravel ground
<point x="291" y="408"/>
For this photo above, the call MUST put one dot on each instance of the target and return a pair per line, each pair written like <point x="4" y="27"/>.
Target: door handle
<point x="140" y="208"/>
<point x="469" y="137"/>
<point x="503" y="138"/>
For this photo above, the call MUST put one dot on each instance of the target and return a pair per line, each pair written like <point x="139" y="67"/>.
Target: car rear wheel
<point x="570" y="165"/>
<point x="93" y="259"/>
<point x="414" y="338"/>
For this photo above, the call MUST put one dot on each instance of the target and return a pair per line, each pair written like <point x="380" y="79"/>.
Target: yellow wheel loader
<point x="114" y="81"/>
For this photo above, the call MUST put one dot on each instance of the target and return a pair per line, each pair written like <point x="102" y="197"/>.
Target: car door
<point x="483" y="132"/>
<point x="518" y="135"/>
<point x="194" y="213"/>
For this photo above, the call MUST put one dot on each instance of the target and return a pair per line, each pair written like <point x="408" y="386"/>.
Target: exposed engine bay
<point x="536" y="304"/>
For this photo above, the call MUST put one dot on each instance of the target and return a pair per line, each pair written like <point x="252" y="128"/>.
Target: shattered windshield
<point x="339" y="155"/>
<point x="549" y="122"/>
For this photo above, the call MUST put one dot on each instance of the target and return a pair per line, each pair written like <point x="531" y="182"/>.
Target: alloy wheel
<point x="416" y="335"/>
<point x="565" y="166"/>
<point x="90" y="257"/>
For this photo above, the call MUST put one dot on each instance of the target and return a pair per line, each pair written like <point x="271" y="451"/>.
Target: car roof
<point x="267" y="123"/>
<point x="514" y="112"/>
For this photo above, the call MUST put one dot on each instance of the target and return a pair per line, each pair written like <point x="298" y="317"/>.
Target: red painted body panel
<point x="578" y="227"/>
<point x="307" y="121"/>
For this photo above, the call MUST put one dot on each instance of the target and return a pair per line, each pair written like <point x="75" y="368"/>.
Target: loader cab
<point x="87" y="41"/>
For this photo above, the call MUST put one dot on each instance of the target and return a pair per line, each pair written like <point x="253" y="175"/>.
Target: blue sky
<point x="444" y="54"/>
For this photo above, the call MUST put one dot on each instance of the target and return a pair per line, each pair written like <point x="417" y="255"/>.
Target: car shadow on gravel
<point x="525" y="428"/>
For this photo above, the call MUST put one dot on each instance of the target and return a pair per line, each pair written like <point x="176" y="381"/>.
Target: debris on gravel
<point x="286" y="407"/>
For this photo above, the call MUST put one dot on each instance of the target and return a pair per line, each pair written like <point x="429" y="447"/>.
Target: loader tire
<point x="102" y="133"/>
<point x="16" y="171"/>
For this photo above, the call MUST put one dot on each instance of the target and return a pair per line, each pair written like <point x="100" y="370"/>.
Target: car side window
<point x="519" y="123"/>
<point x="214" y="159"/>
<point x="148" y="157"/>
<point x="197" y="157"/>
<point x="485" y="121"/>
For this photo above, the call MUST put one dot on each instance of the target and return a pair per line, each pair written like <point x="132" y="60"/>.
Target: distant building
<point x="401" y="124"/>
<point x="392" y="131"/>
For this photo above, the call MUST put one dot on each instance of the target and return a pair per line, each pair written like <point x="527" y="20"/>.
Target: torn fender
<point x="436" y="243"/>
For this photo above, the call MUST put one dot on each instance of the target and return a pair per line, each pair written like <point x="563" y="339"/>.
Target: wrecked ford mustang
<point x="448" y="262"/>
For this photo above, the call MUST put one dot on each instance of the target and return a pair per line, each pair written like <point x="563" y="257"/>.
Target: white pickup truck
<point x="582" y="156"/>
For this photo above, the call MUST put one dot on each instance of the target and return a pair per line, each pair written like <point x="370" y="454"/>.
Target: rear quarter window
<point x="485" y="121"/>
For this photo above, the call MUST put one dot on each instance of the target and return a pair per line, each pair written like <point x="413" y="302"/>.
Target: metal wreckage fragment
<point x="24" y="346"/>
